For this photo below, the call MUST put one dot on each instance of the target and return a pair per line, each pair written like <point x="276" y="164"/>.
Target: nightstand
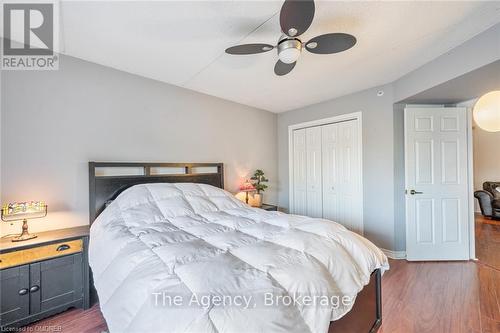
<point x="269" y="207"/>
<point x="43" y="276"/>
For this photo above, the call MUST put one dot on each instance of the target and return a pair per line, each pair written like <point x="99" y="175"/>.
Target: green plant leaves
<point x="259" y="178"/>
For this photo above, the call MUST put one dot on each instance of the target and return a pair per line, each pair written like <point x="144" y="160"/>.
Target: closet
<point x="326" y="173"/>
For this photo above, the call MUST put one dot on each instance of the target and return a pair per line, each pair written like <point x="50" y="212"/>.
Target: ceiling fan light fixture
<point x="289" y="56"/>
<point x="289" y="50"/>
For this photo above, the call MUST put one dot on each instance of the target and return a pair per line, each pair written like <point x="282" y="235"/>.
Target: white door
<point x="436" y="184"/>
<point x="314" y="178"/>
<point x="342" y="194"/>
<point x="299" y="172"/>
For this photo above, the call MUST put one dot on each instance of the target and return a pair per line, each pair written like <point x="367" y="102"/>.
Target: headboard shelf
<point x="104" y="187"/>
<point x="156" y="175"/>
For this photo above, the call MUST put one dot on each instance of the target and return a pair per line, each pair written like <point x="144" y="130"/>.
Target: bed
<point x="174" y="252"/>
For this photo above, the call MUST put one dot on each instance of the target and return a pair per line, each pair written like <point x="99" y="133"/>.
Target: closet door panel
<point x="314" y="170"/>
<point x="330" y="171"/>
<point x="350" y="210"/>
<point x="299" y="172"/>
<point x="346" y="212"/>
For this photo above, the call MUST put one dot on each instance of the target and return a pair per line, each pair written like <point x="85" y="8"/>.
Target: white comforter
<point x="192" y="258"/>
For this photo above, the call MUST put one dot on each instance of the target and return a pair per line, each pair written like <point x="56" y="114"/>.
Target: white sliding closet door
<point x="314" y="179"/>
<point x="326" y="173"/>
<point x="299" y="172"/>
<point x="341" y="175"/>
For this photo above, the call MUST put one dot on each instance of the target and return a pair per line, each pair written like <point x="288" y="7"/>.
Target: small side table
<point x="270" y="208"/>
<point x="43" y="276"/>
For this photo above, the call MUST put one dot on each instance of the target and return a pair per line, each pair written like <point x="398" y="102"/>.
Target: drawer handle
<point x="34" y="289"/>
<point x="63" y="247"/>
<point x="23" y="291"/>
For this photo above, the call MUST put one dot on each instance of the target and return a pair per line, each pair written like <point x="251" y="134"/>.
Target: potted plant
<point x="259" y="179"/>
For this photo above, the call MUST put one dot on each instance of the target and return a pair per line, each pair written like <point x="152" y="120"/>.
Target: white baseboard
<point x="394" y="254"/>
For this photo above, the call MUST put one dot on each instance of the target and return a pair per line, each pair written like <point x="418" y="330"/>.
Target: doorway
<point x="438" y="183"/>
<point x="487" y="189"/>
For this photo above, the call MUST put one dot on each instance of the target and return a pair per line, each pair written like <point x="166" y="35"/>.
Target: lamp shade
<point x="487" y="111"/>
<point x="247" y="186"/>
<point x="23" y="210"/>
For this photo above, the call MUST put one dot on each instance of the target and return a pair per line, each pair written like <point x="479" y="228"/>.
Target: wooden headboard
<point x="108" y="179"/>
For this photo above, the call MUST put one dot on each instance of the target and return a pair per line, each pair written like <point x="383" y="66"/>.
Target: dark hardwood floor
<point x="418" y="297"/>
<point x="441" y="297"/>
<point x="488" y="241"/>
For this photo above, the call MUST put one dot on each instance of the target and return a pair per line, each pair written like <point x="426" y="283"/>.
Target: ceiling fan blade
<point x="330" y="43"/>
<point x="249" y="49"/>
<point x="282" y="68"/>
<point x="296" y="16"/>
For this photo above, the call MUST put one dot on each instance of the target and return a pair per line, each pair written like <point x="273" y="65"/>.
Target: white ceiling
<point x="183" y="43"/>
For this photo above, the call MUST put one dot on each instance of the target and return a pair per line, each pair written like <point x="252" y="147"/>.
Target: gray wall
<point x="54" y="122"/>
<point x="378" y="167"/>
<point x="399" y="179"/>
<point x="479" y="51"/>
<point x="383" y="134"/>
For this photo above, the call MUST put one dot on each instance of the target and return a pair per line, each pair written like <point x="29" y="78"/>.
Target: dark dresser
<point x="43" y="276"/>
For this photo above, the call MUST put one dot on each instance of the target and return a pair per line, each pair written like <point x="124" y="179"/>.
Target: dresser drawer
<point x="21" y="257"/>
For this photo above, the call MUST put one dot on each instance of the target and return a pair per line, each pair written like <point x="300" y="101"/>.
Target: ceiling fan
<point x="295" y="18"/>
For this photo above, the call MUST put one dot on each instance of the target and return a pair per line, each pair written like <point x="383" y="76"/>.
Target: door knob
<point x="34" y="289"/>
<point x="413" y="192"/>
<point x="23" y="291"/>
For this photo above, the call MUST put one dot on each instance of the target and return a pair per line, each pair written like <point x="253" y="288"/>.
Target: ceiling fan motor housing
<point x="289" y="50"/>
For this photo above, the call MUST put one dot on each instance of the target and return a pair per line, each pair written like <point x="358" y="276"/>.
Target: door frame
<point x="470" y="179"/>
<point x="470" y="173"/>
<point x="320" y="122"/>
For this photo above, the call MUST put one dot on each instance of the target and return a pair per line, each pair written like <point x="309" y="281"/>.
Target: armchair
<point x="489" y="199"/>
